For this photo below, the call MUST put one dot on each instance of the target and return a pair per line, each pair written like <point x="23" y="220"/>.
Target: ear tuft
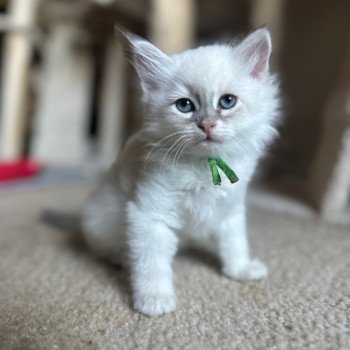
<point x="151" y="64"/>
<point x="256" y="50"/>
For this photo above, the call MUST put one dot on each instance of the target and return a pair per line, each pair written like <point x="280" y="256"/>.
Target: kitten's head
<point x="210" y="100"/>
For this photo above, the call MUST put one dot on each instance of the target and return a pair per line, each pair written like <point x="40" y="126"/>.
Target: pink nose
<point x="207" y="126"/>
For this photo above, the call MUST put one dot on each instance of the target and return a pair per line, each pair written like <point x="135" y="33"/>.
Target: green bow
<point x="214" y="163"/>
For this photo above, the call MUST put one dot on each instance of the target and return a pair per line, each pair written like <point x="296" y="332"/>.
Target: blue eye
<point x="184" y="105"/>
<point x="227" y="101"/>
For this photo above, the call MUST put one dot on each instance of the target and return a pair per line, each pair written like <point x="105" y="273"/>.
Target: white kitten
<point x="213" y="101"/>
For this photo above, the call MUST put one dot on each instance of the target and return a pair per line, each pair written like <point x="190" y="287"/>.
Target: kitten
<point x="213" y="101"/>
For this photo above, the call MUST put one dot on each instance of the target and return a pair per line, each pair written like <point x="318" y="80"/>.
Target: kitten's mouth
<point x="208" y="144"/>
<point x="209" y="140"/>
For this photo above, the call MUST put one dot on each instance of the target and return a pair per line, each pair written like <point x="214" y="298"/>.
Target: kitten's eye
<point x="185" y="105"/>
<point x="227" y="101"/>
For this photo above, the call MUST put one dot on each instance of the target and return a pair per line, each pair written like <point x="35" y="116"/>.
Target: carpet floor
<point x="55" y="295"/>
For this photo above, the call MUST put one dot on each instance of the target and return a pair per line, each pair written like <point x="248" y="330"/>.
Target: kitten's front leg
<point x="152" y="247"/>
<point x="234" y="249"/>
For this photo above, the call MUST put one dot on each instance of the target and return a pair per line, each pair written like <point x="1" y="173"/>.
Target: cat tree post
<point x="269" y="12"/>
<point x="16" y="60"/>
<point x="112" y="103"/>
<point x="329" y="182"/>
<point x="172" y="26"/>
<point x="65" y="95"/>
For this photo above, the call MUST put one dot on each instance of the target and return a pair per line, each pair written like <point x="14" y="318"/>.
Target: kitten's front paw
<point x="252" y="270"/>
<point x="154" y="304"/>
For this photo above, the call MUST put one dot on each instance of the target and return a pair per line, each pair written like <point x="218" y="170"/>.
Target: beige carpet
<point x="54" y="295"/>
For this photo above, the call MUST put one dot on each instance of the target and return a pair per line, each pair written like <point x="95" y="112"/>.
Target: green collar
<point x="214" y="163"/>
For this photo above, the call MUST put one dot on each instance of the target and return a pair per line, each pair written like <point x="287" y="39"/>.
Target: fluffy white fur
<point x="159" y="195"/>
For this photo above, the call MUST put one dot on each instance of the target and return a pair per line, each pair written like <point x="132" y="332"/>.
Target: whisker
<point x="178" y="154"/>
<point x="154" y="146"/>
<point x="171" y="150"/>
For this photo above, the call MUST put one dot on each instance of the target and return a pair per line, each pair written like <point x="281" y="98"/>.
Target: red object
<point x="19" y="168"/>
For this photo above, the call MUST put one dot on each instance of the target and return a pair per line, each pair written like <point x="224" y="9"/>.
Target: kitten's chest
<point x="200" y="203"/>
<point x="203" y="204"/>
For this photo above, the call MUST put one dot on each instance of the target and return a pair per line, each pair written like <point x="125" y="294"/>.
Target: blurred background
<point x="69" y="99"/>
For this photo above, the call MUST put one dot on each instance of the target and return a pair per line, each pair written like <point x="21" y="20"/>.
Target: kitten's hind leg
<point x="103" y="229"/>
<point x="234" y="249"/>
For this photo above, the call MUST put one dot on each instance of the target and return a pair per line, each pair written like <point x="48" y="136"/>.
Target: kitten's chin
<point x="207" y="148"/>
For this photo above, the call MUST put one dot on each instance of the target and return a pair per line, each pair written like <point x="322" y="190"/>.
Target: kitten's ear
<point x="256" y="51"/>
<point x="151" y="64"/>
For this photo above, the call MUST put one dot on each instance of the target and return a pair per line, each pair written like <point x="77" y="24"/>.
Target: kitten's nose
<point x="207" y="126"/>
